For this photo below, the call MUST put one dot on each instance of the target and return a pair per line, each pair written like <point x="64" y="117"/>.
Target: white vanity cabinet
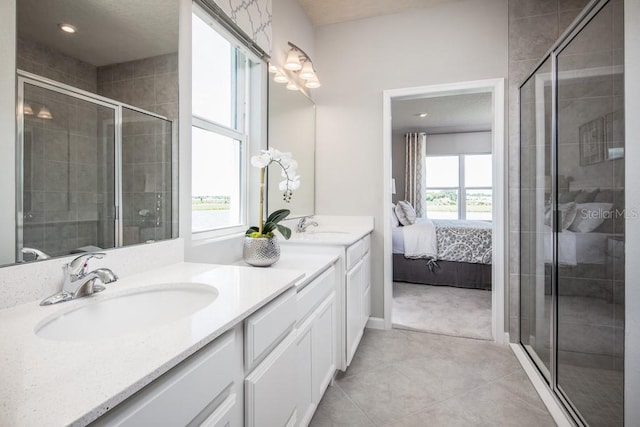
<point x="196" y="392"/>
<point x="316" y="339"/>
<point x="357" y="294"/>
<point x="270" y="361"/>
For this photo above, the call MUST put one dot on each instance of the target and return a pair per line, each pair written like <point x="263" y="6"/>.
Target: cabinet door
<point x="225" y="415"/>
<point x="354" y="309"/>
<point x="366" y="289"/>
<point x="304" y="351"/>
<point x="324" y="346"/>
<point x="271" y="388"/>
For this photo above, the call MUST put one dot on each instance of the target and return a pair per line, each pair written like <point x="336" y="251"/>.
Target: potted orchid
<point x="261" y="246"/>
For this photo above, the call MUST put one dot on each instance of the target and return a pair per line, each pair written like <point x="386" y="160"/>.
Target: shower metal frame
<point x="24" y="77"/>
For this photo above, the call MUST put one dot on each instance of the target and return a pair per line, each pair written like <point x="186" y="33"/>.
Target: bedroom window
<point x="459" y="186"/>
<point x="220" y="131"/>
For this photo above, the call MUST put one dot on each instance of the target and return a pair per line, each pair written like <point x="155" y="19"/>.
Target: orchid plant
<point x="291" y="182"/>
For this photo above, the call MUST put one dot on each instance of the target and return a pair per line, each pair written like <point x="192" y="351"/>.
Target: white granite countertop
<point x="335" y="231"/>
<point x="310" y="265"/>
<point x="47" y="382"/>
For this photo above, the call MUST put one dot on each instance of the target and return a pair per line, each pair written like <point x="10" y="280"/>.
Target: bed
<point x="463" y="256"/>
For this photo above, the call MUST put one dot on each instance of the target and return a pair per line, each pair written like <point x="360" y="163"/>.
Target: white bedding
<point x="420" y="240"/>
<point x="577" y="248"/>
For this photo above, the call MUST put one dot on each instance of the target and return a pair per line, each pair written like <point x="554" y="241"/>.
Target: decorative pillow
<point x="586" y="196"/>
<point x="568" y="196"/>
<point x="405" y="212"/>
<point x="590" y="216"/>
<point x="395" y="222"/>
<point x="568" y="213"/>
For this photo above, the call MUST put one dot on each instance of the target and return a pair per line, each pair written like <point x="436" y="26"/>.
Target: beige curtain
<point x="416" y="147"/>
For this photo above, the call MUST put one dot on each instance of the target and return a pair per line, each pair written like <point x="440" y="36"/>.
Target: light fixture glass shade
<point x="280" y="78"/>
<point x="272" y="68"/>
<point x="313" y="83"/>
<point x="292" y="86"/>
<point x="307" y="70"/>
<point x="27" y="110"/>
<point x="45" y="114"/>
<point x="67" y="28"/>
<point x="293" y="61"/>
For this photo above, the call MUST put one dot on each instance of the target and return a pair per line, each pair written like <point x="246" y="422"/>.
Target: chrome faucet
<point x="78" y="282"/>
<point x="304" y="223"/>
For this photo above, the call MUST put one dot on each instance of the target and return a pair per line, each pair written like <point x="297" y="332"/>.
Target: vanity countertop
<point x="47" y="382"/>
<point x="331" y="233"/>
<point x="310" y="265"/>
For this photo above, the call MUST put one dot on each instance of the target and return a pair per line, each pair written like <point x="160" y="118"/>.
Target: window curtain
<point x="414" y="193"/>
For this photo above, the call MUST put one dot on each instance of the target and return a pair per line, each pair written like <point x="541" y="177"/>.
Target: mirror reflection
<point x="292" y="128"/>
<point x="97" y="124"/>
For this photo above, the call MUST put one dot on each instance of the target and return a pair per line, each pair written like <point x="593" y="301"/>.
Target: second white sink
<point x="138" y="311"/>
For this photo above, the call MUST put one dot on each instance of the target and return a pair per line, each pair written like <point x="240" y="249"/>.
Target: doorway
<point x="491" y="91"/>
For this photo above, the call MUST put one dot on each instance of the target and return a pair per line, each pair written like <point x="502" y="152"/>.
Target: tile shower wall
<point x="534" y="25"/>
<point x="151" y="84"/>
<point x="44" y="61"/>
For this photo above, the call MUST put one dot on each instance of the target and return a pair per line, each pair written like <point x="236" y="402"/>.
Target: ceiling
<point x="109" y="32"/>
<point x="446" y="114"/>
<point x="323" y="12"/>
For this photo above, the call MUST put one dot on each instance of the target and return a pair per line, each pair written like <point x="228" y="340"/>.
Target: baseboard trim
<point x="555" y="409"/>
<point x="375" y="323"/>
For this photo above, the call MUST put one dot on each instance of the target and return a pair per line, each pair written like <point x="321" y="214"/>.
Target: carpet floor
<point x="442" y="310"/>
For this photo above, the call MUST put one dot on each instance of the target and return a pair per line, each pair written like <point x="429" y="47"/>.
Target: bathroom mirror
<point x="97" y="98"/>
<point x="292" y="128"/>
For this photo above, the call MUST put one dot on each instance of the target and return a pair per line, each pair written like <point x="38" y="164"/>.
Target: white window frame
<point x="245" y="94"/>
<point x="461" y="188"/>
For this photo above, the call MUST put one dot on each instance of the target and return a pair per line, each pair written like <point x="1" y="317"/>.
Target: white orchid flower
<point x="295" y="184"/>
<point x="261" y="161"/>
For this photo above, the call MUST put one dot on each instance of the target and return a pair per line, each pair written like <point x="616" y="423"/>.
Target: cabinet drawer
<point x="265" y="328"/>
<point x="314" y="293"/>
<point x="178" y="396"/>
<point x="357" y="250"/>
<point x="225" y="415"/>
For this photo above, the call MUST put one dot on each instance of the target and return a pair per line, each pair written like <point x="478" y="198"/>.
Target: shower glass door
<point x="572" y="214"/>
<point x="68" y="174"/>
<point x="590" y="279"/>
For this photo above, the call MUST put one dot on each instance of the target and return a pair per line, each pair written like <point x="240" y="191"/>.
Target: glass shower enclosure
<point x="572" y="214"/>
<point x="94" y="173"/>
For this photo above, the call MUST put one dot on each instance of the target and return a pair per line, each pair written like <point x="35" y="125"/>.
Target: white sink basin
<point x="137" y="311"/>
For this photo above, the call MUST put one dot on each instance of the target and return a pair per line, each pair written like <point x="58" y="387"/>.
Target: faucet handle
<point x="78" y="265"/>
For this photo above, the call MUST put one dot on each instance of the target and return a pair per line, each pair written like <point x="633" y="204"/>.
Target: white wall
<point x="7" y="131"/>
<point x="632" y="225"/>
<point x="451" y="42"/>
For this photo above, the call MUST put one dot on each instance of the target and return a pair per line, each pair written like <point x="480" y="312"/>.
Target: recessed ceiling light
<point x="67" y="28"/>
<point x="422" y="115"/>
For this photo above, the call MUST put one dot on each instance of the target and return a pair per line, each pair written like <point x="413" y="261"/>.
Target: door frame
<point x="498" y="147"/>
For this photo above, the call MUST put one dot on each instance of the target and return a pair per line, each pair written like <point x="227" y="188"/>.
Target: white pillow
<point x="568" y="212"/>
<point x="590" y="216"/>
<point x="405" y="212"/>
<point x="395" y="222"/>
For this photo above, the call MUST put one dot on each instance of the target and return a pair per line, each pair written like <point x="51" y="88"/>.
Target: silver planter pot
<point x="261" y="251"/>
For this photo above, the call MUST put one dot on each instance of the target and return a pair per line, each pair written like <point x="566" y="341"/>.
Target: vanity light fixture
<point x="27" y="110"/>
<point x="280" y="77"/>
<point x="422" y="115"/>
<point x="44" y="113"/>
<point x="292" y="86"/>
<point x="272" y="68"/>
<point x="67" y="28"/>
<point x="299" y="62"/>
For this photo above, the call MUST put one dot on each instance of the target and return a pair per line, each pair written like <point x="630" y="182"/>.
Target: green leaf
<point x="268" y="227"/>
<point x="278" y="215"/>
<point x="285" y="231"/>
<point x="251" y="230"/>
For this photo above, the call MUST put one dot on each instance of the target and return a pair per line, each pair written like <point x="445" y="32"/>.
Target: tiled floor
<point x="404" y="378"/>
<point x="442" y="309"/>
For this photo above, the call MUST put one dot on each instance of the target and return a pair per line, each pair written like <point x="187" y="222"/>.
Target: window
<point x="220" y="132"/>
<point x="459" y="186"/>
